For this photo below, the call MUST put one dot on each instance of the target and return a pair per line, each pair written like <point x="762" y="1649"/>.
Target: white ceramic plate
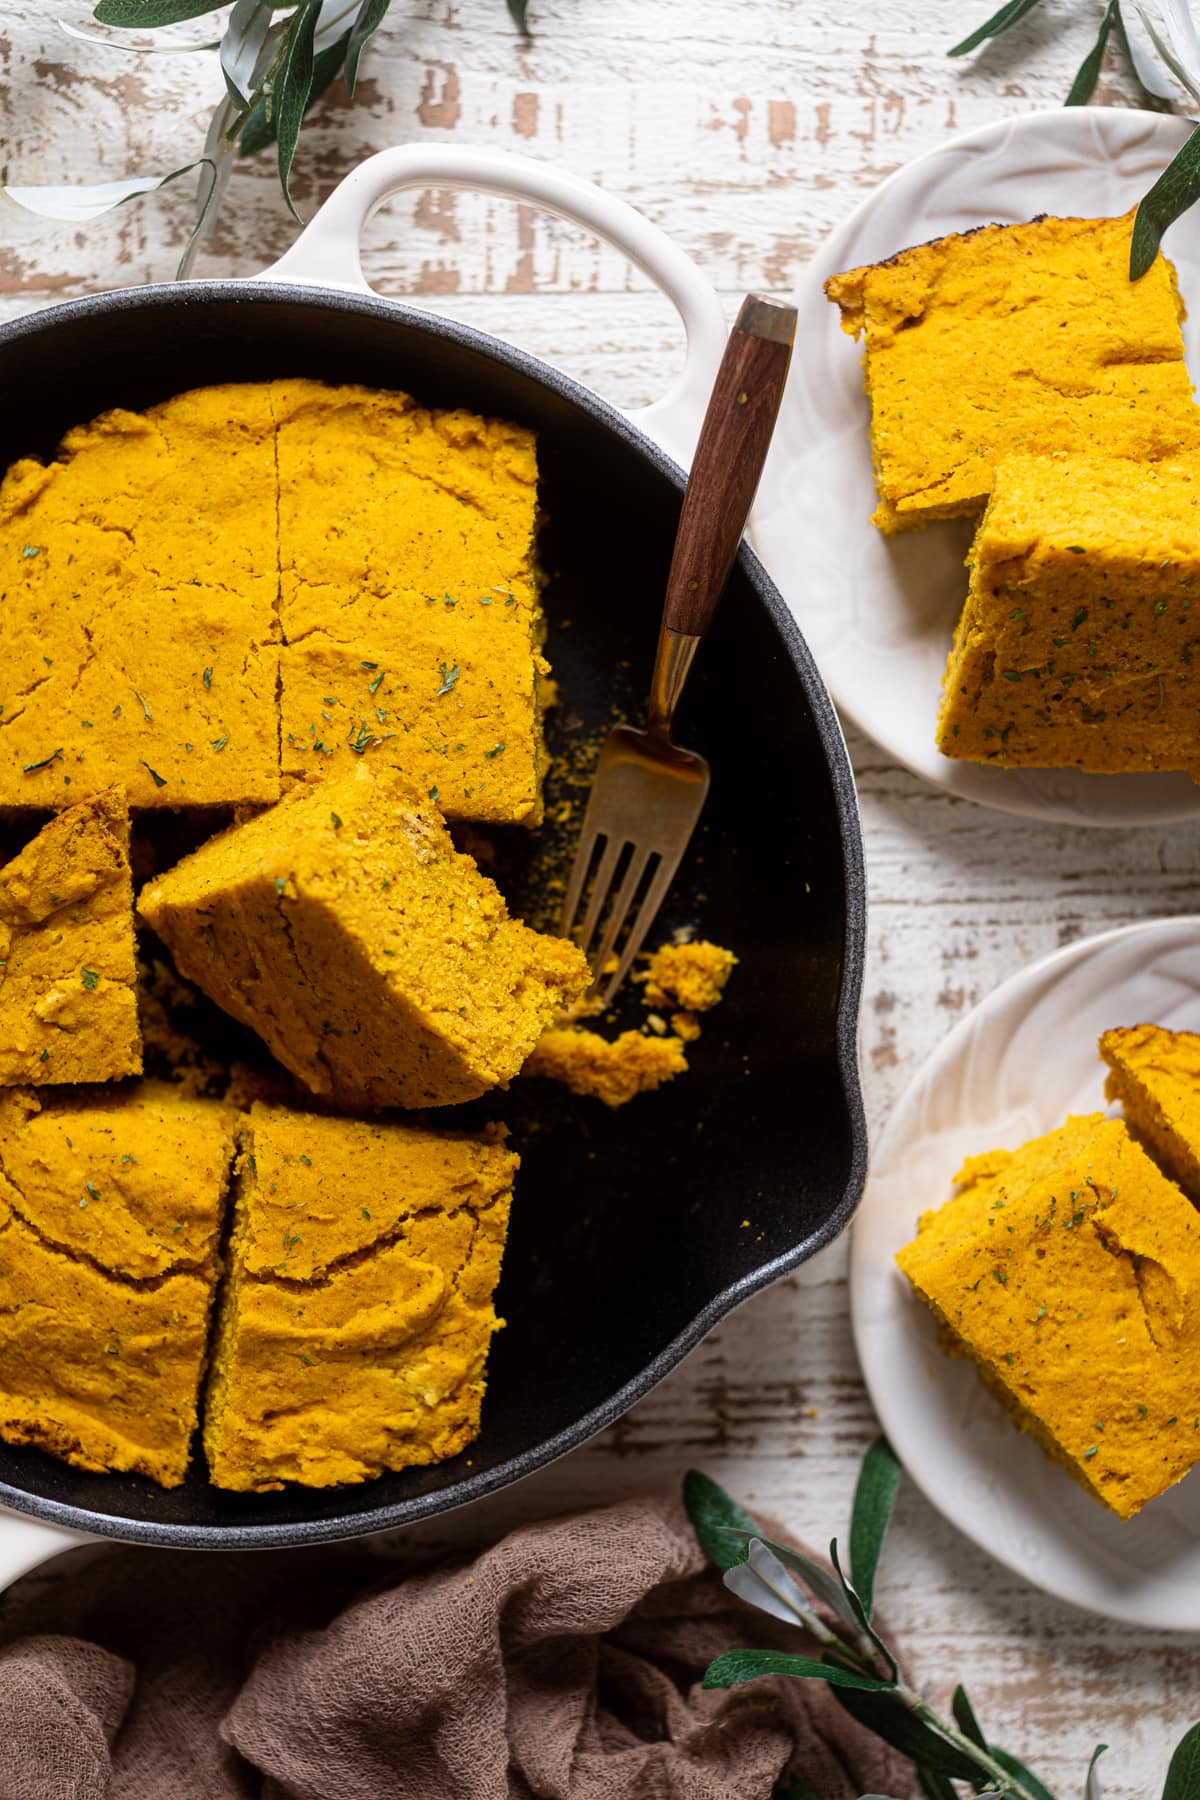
<point x="1013" y="1069"/>
<point x="878" y="613"/>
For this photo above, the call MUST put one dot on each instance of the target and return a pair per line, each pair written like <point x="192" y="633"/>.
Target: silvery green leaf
<point x="146" y="15"/>
<point x="964" y="1717"/>
<point x="212" y="180"/>
<point x="1092" y="1790"/>
<point x="1183" y="1776"/>
<point x="820" y="1583"/>
<point x="245" y="34"/>
<point x="80" y="204"/>
<point x="861" y="1616"/>
<point x="1190" y="83"/>
<point x="1088" y="73"/>
<point x="716" y="1518"/>
<point x="1026" y="1777"/>
<point x="109" y="43"/>
<point x="295" y="87"/>
<point x="1008" y="14"/>
<point x="1177" y="15"/>
<point x="367" y="21"/>
<point x="1144" y="66"/>
<point x="763" y="1582"/>
<point x="885" y="1713"/>
<point x="258" y="129"/>
<point x="935" y="1786"/>
<point x="736" y="1666"/>
<point x="874" y="1499"/>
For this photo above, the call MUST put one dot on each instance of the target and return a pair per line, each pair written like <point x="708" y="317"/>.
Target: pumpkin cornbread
<point x="409" y="599"/>
<point x="692" y="975"/>
<point x="110" y="1212"/>
<point x="68" y="1000"/>
<point x="1013" y="338"/>
<point x="1079" y="643"/>
<point x="1069" y="1270"/>
<point x="615" y="1070"/>
<point x="1155" y="1074"/>
<point x="139" y="574"/>
<point x="373" y="958"/>
<point x="355" y="1325"/>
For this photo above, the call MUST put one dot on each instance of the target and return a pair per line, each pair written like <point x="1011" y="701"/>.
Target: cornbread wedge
<point x="1079" y="643"/>
<point x="1069" y="1271"/>
<point x="110" y="1214"/>
<point x="68" y="1001"/>
<point x="355" y="1325"/>
<point x="1155" y="1074"/>
<point x="409" y="596"/>
<point x="376" y="962"/>
<point x="1013" y="338"/>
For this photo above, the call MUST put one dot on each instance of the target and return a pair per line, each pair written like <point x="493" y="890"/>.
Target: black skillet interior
<point x="628" y="1239"/>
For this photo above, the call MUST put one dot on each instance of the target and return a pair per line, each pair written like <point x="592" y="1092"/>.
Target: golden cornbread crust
<point x="272" y="567"/>
<point x="1155" y="1074"/>
<point x="1079" y="643"/>
<point x="355" y="1326"/>
<point x="1007" y="339"/>
<point x="1069" y="1270"/>
<point x="110" y="1214"/>
<point x="68" y="998"/>
<point x="372" y="957"/>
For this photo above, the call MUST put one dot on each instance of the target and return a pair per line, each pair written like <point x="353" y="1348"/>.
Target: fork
<point x="648" y="792"/>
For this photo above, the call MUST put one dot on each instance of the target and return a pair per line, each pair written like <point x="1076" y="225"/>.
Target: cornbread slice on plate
<point x="1069" y="1270"/>
<point x="355" y="1324"/>
<point x="68" y="999"/>
<point x="1079" y="643"/>
<point x="110" y="1214"/>
<point x="1013" y="338"/>
<point x="1155" y="1074"/>
<point x="372" y="957"/>
<point x="138" y="631"/>
<point x="409" y="596"/>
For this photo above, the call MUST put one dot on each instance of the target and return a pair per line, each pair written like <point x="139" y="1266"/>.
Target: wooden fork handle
<point x="729" y="459"/>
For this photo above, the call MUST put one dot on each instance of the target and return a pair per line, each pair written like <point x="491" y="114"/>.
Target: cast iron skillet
<point x="627" y="1243"/>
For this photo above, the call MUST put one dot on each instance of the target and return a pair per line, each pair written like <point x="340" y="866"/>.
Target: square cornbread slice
<point x="1079" y="643"/>
<point x="1013" y="338"/>
<point x="409" y="595"/>
<point x="1155" y="1074"/>
<point x="1069" y="1270"/>
<point x="373" y="958"/>
<point x="355" y="1324"/>
<point x="139" y="573"/>
<point x="110" y="1213"/>
<point x="68" y="999"/>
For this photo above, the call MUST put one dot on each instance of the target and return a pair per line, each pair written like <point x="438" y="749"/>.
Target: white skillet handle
<point x="326" y="254"/>
<point x="26" y="1542"/>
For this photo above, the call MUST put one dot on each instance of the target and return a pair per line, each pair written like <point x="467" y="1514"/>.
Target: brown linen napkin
<point x="562" y="1663"/>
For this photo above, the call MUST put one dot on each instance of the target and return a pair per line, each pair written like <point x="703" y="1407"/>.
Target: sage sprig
<point x="1172" y="34"/>
<point x="276" y="60"/>
<point x="854" y="1661"/>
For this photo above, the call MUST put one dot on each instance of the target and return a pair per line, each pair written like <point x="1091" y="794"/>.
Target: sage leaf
<point x="763" y="1582"/>
<point x="964" y="1717"/>
<point x="367" y="21"/>
<point x="1177" y="188"/>
<point x="518" y="10"/>
<point x="713" y="1514"/>
<point x="108" y="43"/>
<point x="1084" y="84"/>
<point x="1147" y="75"/>
<point x="889" y="1718"/>
<point x="1183" y="1776"/>
<point x="999" y="21"/>
<point x="245" y="35"/>
<point x="1026" y="1777"/>
<point x="295" y="87"/>
<point x="821" y="1583"/>
<point x="1092" y="1789"/>
<point x="259" y="130"/>
<point x="736" y="1666"/>
<point x="874" y="1498"/>
<point x="1187" y="78"/>
<point x="147" y="15"/>
<point x="79" y="205"/>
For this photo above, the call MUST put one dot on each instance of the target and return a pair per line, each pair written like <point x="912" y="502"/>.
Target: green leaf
<point x="518" y="9"/>
<point x="794" y="1790"/>
<point x="81" y="204"/>
<point x="999" y="21"/>
<point x="1025" y="1776"/>
<point x="1148" y="76"/>
<point x="964" y="1717"/>
<point x="1092" y="1788"/>
<point x="1177" y="188"/>
<point x="1084" y="84"/>
<point x="935" y="1787"/>
<point x="860" y="1613"/>
<point x="714" y="1513"/>
<point x="736" y="1666"/>
<point x="295" y="88"/>
<point x="147" y="15"/>
<point x="820" y="1582"/>
<point x="874" y="1498"/>
<point x="886" y="1715"/>
<point x="369" y="18"/>
<point x="1183" y="1776"/>
<point x="259" y="129"/>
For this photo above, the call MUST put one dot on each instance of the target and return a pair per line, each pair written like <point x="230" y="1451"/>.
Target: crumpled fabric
<point x="563" y="1663"/>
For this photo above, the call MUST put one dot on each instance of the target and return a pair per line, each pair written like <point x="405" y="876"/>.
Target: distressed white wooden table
<point x="745" y="128"/>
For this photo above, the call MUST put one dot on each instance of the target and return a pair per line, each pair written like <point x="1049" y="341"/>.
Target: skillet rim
<point x="389" y="1516"/>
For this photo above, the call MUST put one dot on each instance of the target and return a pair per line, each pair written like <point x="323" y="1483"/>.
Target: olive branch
<point x="276" y="59"/>
<point x="856" y="1663"/>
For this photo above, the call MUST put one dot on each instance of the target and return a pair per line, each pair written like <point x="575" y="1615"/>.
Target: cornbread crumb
<point x="68" y="1005"/>
<point x="356" y="1320"/>
<point x="612" y="1070"/>
<point x="692" y="975"/>
<point x="1069" y="1271"/>
<point x="685" y="1025"/>
<point x="1013" y="338"/>
<point x="1155" y="1074"/>
<point x="110" y="1214"/>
